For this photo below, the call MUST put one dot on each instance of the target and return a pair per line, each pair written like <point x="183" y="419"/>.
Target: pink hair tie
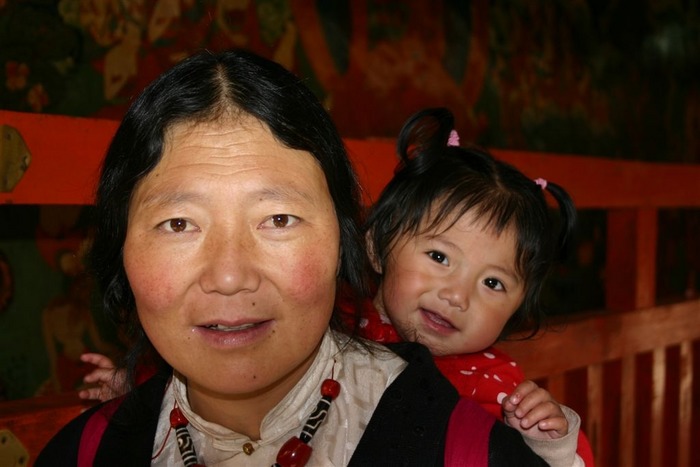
<point x="453" y="140"/>
<point x="541" y="182"/>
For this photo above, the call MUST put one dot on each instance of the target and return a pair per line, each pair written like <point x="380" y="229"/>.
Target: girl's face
<point x="232" y="251"/>
<point x="452" y="289"/>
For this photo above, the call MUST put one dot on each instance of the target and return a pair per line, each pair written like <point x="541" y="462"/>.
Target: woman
<point x="226" y="219"/>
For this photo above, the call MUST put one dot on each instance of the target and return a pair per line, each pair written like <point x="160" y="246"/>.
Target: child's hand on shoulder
<point x="534" y="413"/>
<point x="105" y="382"/>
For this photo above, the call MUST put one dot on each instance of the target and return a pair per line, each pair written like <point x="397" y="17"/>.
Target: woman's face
<point x="232" y="251"/>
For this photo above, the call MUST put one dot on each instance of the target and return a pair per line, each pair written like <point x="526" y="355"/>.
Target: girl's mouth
<point x="436" y="321"/>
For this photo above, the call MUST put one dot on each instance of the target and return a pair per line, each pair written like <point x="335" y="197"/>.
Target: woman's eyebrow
<point x="283" y="193"/>
<point x="277" y="193"/>
<point x="171" y="198"/>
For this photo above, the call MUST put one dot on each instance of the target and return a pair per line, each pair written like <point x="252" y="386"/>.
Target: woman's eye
<point x="280" y="221"/>
<point x="439" y="257"/>
<point x="177" y="225"/>
<point x="494" y="284"/>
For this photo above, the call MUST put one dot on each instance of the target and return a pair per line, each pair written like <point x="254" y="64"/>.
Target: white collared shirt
<point x="363" y="378"/>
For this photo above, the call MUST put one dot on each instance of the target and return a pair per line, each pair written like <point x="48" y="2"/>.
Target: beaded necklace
<point x="294" y="453"/>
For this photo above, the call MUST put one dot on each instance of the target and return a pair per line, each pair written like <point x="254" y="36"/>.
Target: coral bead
<point x="331" y="388"/>
<point x="294" y="453"/>
<point x="177" y="418"/>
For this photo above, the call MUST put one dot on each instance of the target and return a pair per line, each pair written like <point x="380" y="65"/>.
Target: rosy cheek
<point x="152" y="295"/>
<point x="152" y="285"/>
<point x="312" y="279"/>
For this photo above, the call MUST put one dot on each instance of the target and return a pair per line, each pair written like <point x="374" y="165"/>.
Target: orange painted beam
<point x="66" y="155"/>
<point x="596" y="182"/>
<point x="67" y="151"/>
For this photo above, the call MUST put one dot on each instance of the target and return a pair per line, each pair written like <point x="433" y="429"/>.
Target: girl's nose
<point x="229" y="265"/>
<point x="455" y="292"/>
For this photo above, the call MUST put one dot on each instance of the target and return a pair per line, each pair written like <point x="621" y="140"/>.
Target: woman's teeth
<point x="221" y="327"/>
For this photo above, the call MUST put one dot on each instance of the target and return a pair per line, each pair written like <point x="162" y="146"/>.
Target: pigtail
<point x="423" y="137"/>
<point x="568" y="216"/>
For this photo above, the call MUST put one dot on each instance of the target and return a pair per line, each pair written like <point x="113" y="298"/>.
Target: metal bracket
<point x="14" y="157"/>
<point x="12" y="451"/>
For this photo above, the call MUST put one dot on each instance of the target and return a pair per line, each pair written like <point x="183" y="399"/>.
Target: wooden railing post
<point x="685" y="406"/>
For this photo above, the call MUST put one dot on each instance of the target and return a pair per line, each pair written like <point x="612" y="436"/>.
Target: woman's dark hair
<point x="436" y="181"/>
<point x="203" y="88"/>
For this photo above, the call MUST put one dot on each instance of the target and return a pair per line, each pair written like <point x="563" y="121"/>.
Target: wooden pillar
<point x="630" y="284"/>
<point x="630" y="266"/>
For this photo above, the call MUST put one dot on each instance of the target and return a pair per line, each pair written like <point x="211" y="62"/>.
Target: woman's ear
<point x="373" y="258"/>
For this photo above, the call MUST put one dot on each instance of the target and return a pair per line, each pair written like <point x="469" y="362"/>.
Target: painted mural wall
<point x="612" y="78"/>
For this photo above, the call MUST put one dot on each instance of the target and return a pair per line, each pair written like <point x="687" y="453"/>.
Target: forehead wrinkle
<point x="276" y="185"/>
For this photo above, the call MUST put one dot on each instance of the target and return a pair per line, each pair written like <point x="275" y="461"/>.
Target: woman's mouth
<point x="230" y="335"/>
<point x="224" y="328"/>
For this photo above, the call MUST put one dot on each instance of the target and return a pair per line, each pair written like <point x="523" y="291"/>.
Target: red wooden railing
<point x="628" y="369"/>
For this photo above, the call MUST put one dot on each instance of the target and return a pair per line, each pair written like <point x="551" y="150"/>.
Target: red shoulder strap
<point x="468" y="433"/>
<point x="93" y="431"/>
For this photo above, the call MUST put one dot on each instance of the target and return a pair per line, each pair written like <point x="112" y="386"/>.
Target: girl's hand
<point x="106" y="382"/>
<point x="533" y="412"/>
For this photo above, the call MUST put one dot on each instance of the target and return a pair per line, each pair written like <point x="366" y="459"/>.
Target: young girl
<point x="461" y="244"/>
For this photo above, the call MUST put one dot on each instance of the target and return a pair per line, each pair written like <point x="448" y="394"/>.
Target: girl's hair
<point x="438" y="180"/>
<point x="203" y="88"/>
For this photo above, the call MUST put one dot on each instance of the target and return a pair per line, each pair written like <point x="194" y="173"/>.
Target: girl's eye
<point x="439" y="257"/>
<point x="493" y="283"/>
<point x="280" y="221"/>
<point x="177" y="225"/>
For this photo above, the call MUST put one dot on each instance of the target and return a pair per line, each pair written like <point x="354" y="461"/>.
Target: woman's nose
<point x="228" y="266"/>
